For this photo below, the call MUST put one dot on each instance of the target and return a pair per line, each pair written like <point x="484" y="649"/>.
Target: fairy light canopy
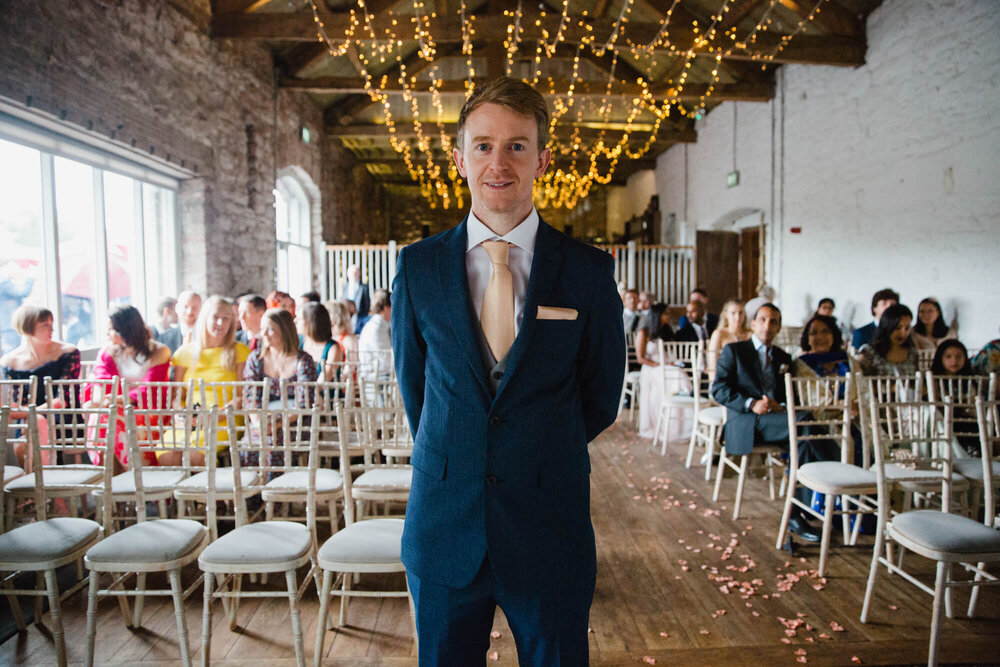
<point x="625" y="79"/>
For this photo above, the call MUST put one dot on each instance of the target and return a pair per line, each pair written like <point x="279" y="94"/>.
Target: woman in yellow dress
<point x="213" y="356"/>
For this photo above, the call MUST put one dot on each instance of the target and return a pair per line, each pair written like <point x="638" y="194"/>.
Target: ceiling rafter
<point x="830" y="17"/>
<point x="683" y="132"/>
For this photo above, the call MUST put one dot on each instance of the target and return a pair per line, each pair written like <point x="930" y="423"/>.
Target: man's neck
<point x="500" y="224"/>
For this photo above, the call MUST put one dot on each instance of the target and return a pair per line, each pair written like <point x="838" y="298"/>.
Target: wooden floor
<point x="679" y="583"/>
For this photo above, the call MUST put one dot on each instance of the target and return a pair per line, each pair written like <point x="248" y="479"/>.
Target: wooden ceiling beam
<point x="684" y="133"/>
<point x="303" y="56"/>
<point x="830" y="17"/>
<point x="754" y="91"/>
<point x="738" y="11"/>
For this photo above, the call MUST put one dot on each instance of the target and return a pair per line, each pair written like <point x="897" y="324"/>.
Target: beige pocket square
<point x="553" y="313"/>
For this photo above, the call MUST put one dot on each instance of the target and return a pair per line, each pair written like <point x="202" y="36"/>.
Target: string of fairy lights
<point x="582" y="159"/>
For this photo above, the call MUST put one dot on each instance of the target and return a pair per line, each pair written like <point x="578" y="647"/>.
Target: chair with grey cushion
<point x="266" y="546"/>
<point x="47" y="544"/>
<point x="940" y="535"/>
<point x="363" y="546"/>
<point x="148" y="545"/>
<point x="16" y="395"/>
<point x="384" y="435"/>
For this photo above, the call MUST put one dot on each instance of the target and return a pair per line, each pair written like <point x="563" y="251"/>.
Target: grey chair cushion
<point x="57" y="479"/>
<point x="327" y="481"/>
<point x="223" y="480"/>
<point x="47" y="540"/>
<point x="714" y="415"/>
<point x="894" y="472"/>
<point x="836" y="475"/>
<point x="678" y="399"/>
<point x="259" y="543"/>
<point x="152" y="480"/>
<point x="385" y="479"/>
<point x="11" y="472"/>
<point x="149" y="542"/>
<point x="371" y="541"/>
<point x="951" y="533"/>
<point x="972" y="468"/>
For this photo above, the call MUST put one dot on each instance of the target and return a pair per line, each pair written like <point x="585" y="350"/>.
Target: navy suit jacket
<point x="711" y="321"/>
<point x="864" y="335"/>
<point x="505" y="474"/>
<point x="739" y="377"/>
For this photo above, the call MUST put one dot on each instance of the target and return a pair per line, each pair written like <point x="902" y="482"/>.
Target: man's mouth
<point x="498" y="185"/>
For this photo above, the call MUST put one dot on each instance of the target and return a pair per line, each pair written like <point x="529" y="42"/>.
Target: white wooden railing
<point x="665" y="271"/>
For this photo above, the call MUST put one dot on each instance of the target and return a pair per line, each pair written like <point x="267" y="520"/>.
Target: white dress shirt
<point x="374" y="347"/>
<point x="480" y="268"/>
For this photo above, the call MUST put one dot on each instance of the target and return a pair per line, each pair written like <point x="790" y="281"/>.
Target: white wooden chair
<point x="17" y="395"/>
<point x="709" y="418"/>
<point x="963" y="391"/>
<point x="362" y="546"/>
<point x="630" y="383"/>
<point x="678" y="362"/>
<point x="939" y="535"/>
<point x="820" y="410"/>
<point x="385" y="438"/>
<point x="47" y="544"/>
<point x="153" y="545"/>
<point x="266" y="546"/>
<point x="924" y="360"/>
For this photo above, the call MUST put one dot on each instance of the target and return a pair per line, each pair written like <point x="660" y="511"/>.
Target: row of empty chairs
<point x="345" y="447"/>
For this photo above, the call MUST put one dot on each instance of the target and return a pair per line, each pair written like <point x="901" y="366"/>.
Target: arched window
<point x="293" y="230"/>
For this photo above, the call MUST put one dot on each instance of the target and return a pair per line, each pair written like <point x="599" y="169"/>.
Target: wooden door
<point x="749" y="262"/>
<point x="716" y="266"/>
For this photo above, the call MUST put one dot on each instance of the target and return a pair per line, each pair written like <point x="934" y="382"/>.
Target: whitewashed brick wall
<point x="890" y="170"/>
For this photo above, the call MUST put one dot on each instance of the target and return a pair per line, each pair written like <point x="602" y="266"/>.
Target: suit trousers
<point x="453" y="624"/>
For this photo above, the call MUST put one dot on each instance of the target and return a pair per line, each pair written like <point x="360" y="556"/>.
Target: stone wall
<point x="147" y="74"/>
<point x="881" y="175"/>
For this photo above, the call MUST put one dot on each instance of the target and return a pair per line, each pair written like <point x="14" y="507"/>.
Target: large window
<point x="78" y="238"/>
<point x="293" y="231"/>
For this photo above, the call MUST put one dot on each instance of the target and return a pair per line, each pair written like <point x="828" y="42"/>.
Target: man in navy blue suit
<point x="510" y="354"/>
<point x="881" y="300"/>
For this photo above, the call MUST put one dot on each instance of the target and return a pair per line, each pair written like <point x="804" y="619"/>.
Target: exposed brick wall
<point x="146" y="73"/>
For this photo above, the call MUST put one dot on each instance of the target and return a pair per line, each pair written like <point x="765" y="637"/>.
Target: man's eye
<point x="482" y="147"/>
<point x="517" y="147"/>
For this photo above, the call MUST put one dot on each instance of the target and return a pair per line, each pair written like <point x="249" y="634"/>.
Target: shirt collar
<point x="523" y="236"/>
<point x="757" y="342"/>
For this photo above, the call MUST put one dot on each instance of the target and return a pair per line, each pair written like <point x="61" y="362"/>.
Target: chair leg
<point x="665" y="435"/>
<point x="974" y="596"/>
<point x="691" y="443"/>
<point x="710" y="449"/>
<point x="770" y="475"/>
<point x="786" y="514"/>
<point x="721" y="470"/>
<point x="873" y="570"/>
<point x="943" y="575"/>
<point x="91" y="618"/>
<point x="293" y="608"/>
<point x="140" y="585"/>
<point x="234" y="602"/>
<point x="824" y="547"/>
<point x="324" y="604"/>
<point x="15" y="607"/>
<point x="39" y="606"/>
<point x="740" y="482"/>
<point x="177" y="593"/>
<point x="55" y="615"/>
<point x="206" y="621"/>
<point x="344" y="588"/>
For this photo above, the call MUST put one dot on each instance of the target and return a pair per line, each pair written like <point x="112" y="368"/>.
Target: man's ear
<point x="456" y="155"/>
<point x="544" y="158"/>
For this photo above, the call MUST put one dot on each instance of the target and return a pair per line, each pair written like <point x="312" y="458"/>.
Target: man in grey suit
<point x="356" y="291"/>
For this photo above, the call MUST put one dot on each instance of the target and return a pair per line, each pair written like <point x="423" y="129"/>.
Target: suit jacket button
<point x="492" y="480"/>
<point x="497" y="375"/>
<point x="494" y="420"/>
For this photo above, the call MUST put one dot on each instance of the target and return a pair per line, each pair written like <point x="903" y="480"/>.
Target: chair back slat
<point x="819" y="409"/>
<point x="988" y="417"/>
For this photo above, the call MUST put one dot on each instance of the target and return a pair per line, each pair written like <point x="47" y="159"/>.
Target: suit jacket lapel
<point x="755" y="364"/>
<point x="455" y="293"/>
<point x="544" y="269"/>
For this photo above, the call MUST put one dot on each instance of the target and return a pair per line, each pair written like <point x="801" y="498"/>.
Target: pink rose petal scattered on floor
<point x="801" y="658"/>
<point x="495" y="634"/>
<point x="801" y="651"/>
<point x="855" y="659"/>
<point x="494" y="656"/>
<point x="664" y="634"/>
<point x="893" y="607"/>
<point x="703" y="632"/>
<point x="649" y="660"/>
<point x="786" y="640"/>
<point x="836" y="627"/>
<point x="824" y="635"/>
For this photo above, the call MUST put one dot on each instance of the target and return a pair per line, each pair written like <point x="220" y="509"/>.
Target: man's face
<point x="631" y="300"/>
<point x="698" y="296"/>
<point x="766" y="325"/>
<point x="500" y="159"/>
<point x="354" y="274"/>
<point x="695" y="312"/>
<point x="188" y="308"/>
<point x="881" y="305"/>
<point x="250" y="316"/>
<point x="645" y="301"/>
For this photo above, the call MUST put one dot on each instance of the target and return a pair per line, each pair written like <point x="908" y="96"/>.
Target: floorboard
<point x="679" y="582"/>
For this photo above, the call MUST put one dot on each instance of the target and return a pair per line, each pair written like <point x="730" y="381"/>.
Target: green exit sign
<point x="306" y="135"/>
<point x="732" y="179"/>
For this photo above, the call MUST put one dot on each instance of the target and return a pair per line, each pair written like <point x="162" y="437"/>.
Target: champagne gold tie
<point x="497" y="316"/>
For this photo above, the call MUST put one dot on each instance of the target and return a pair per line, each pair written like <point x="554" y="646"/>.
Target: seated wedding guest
<point x="650" y="375"/>
<point x="892" y="352"/>
<point x="826" y="306"/>
<point x="987" y="360"/>
<point x="213" y="356"/>
<point x="187" y="309"/>
<point x="733" y="328"/>
<point x="278" y="299"/>
<point x="41" y="356"/>
<point x="279" y="357"/>
<point x="822" y="348"/>
<point x="881" y="300"/>
<point x="131" y="354"/>
<point x="357" y="292"/>
<point x="312" y="296"/>
<point x="766" y="294"/>
<point x="630" y="311"/>
<point x="952" y="358"/>
<point x="250" y="310"/>
<point x="165" y="316"/>
<point x="749" y="382"/>
<point x="340" y="323"/>
<point x="644" y="304"/>
<point x="313" y="323"/>
<point x="375" y="341"/>
<point x="698" y="294"/>
<point x="930" y="329"/>
<point x="696" y="326"/>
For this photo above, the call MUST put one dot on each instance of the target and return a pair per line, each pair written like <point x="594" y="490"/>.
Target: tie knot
<point x="497" y="250"/>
